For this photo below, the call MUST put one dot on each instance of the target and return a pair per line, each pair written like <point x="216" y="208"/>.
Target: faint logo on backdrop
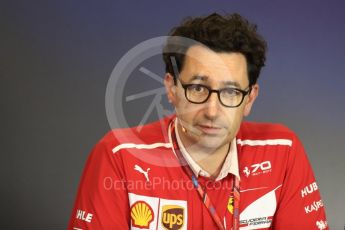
<point x="117" y="98"/>
<point x="156" y="103"/>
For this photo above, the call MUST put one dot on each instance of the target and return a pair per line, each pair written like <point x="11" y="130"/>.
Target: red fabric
<point x="278" y="188"/>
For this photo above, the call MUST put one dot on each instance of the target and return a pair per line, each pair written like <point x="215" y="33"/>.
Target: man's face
<point x="210" y="125"/>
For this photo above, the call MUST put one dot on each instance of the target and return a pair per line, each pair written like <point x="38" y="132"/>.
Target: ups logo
<point x="172" y="217"/>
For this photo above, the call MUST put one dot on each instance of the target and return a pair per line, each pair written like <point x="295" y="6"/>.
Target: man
<point x="213" y="171"/>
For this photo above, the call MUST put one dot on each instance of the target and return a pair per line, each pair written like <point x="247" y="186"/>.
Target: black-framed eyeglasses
<point x="229" y="97"/>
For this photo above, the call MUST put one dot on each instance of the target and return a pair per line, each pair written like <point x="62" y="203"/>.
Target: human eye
<point x="230" y="92"/>
<point x="197" y="88"/>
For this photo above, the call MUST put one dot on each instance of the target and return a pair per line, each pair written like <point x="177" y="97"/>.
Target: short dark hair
<point x="228" y="33"/>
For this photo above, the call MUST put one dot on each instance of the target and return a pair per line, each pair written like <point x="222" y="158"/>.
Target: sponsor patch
<point x="141" y="214"/>
<point x="258" y="169"/>
<point x="309" y="189"/>
<point x="315" y="206"/>
<point x="83" y="215"/>
<point x="256" y="223"/>
<point x="172" y="217"/>
<point x="173" y="214"/>
<point x="321" y="224"/>
<point x="156" y="213"/>
<point x="231" y="205"/>
<point x="142" y="207"/>
<point x="259" y="214"/>
<point x="144" y="172"/>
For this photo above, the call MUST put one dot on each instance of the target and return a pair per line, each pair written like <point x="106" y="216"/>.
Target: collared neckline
<point x="230" y="164"/>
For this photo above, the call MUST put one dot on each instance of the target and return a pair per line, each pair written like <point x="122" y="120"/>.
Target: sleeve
<point x="102" y="199"/>
<point x="300" y="206"/>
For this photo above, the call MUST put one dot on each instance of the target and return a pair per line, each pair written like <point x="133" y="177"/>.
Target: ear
<point x="170" y="88"/>
<point x="251" y="98"/>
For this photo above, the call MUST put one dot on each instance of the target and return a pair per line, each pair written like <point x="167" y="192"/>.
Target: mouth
<point x="210" y="130"/>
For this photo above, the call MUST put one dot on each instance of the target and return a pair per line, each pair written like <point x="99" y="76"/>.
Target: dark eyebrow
<point x="225" y="83"/>
<point x="199" y="77"/>
<point x="231" y="83"/>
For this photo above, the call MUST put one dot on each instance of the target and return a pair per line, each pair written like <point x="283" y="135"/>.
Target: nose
<point x="212" y="106"/>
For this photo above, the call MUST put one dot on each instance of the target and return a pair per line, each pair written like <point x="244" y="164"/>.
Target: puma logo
<point x="146" y="173"/>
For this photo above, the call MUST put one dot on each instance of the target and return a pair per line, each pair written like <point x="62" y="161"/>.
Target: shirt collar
<point x="230" y="164"/>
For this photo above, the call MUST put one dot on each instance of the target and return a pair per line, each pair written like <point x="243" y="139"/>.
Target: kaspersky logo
<point x="172" y="217"/>
<point x="141" y="214"/>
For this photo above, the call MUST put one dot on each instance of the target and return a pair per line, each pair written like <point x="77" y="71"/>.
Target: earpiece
<point x="186" y="128"/>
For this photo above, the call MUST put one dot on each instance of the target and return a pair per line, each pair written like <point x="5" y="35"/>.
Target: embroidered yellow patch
<point x="231" y="205"/>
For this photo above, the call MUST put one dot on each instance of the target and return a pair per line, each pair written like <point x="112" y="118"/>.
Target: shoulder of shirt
<point x="262" y="131"/>
<point x="146" y="134"/>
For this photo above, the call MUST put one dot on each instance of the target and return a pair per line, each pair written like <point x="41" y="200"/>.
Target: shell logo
<point x="141" y="214"/>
